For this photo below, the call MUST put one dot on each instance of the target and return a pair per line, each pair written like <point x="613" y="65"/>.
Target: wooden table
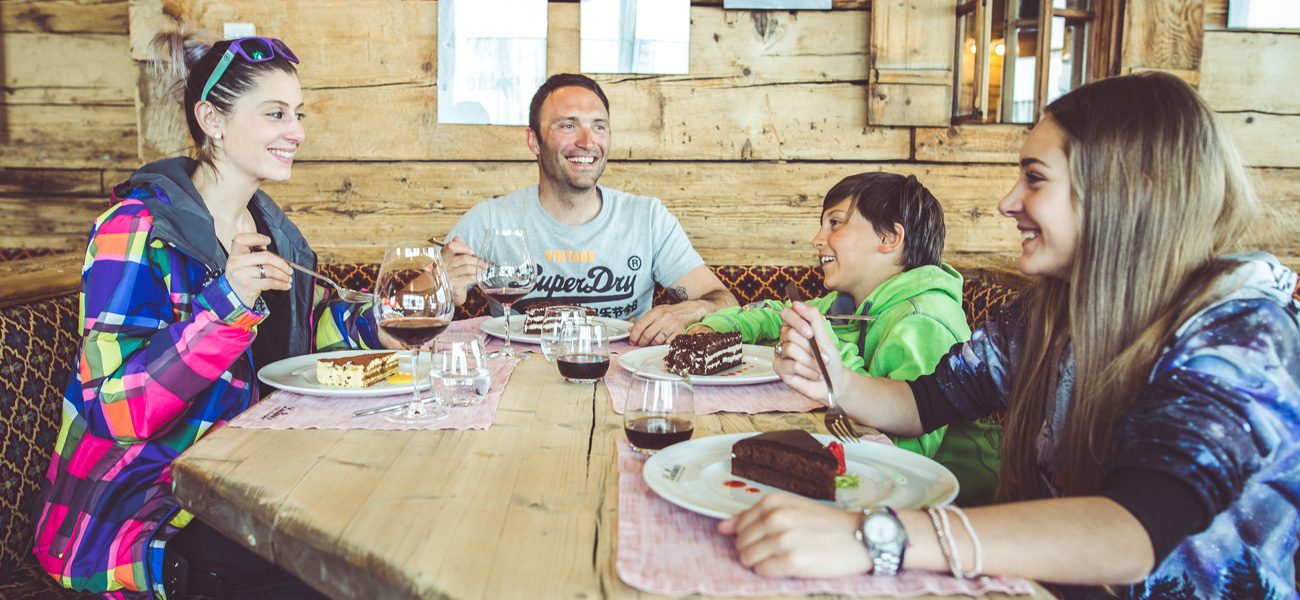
<point x="525" y="509"/>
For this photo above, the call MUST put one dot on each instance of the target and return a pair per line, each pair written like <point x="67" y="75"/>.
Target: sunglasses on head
<point x="254" y="50"/>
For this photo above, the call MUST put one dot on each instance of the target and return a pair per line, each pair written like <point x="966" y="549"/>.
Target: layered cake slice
<point x="535" y="320"/>
<point x="703" y="353"/>
<point x="792" y="460"/>
<point x="361" y="370"/>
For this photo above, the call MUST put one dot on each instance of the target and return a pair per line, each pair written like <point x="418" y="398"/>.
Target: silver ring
<point x="777" y="350"/>
<point x="261" y="271"/>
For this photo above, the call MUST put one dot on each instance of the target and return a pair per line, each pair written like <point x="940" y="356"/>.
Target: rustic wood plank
<point x="1265" y="140"/>
<point x="1162" y="34"/>
<point x="1216" y="14"/>
<point x="1251" y="71"/>
<point x="35" y="279"/>
<point x="911" y="63"/>
<point x="67" y="69"/>
<point x="50" y="182"/>
<point x="971" y="143"/>
<point x="63" y="16"/>
<point x="59" y="222"/>
<point x="72" y="136"/>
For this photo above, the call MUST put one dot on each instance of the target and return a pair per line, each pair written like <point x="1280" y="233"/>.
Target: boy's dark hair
<point x="557" y="81"/>
<point x="888" y="198"/>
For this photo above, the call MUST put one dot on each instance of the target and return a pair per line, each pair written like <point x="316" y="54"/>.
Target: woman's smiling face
<point x="1042" y="205"/>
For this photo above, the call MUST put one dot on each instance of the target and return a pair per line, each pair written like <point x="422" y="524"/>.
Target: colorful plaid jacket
<point x="165" y="358"/>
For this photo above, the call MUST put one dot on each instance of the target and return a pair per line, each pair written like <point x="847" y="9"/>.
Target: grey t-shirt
<point x="610" y="263"/>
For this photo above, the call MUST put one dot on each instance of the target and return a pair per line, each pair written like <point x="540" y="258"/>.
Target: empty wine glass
<point x="659" y="412"/>
<point x="413" y="304"/>
<point x="553" y="322"/>
<point x="506" y="273"/>
<point x="583" y="352"/>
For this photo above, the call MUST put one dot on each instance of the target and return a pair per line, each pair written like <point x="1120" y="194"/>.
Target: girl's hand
<point x="787" y="536"/>
<point x="251" y="270"/>
<point x="795" y="363"/>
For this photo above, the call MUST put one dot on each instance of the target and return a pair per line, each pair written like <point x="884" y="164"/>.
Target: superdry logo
<point x="599" y="285"/>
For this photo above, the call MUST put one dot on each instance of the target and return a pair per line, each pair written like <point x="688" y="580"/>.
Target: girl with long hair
<point x="1151" y="380"/>
<point x="185" y="293"/>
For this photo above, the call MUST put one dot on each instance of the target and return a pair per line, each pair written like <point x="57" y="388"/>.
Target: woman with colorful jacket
<point x="185" y="294"/>
<point x="879" y="247"/>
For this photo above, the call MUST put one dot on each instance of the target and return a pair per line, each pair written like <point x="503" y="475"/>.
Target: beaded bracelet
<point x="945" y="545"/>
<point x="978" y="569"/>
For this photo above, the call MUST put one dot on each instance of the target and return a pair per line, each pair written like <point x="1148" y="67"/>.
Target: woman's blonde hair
<point x="1159" y="193"/>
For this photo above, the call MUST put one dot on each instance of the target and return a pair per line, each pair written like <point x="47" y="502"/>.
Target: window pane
<point x="1075" y="4"/>
<point x="968" y="39"/>
<point x="1065" y="72"/>
<point x="1021" y="86"/>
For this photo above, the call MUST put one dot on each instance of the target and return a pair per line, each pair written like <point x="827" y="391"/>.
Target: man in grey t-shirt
<point x="595" y="245"/>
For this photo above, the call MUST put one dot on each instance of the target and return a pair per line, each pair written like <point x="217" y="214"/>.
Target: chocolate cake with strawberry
<point x="792" y="460"/>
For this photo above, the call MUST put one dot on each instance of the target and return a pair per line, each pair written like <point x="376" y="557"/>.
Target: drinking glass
<point x="583" y="352"/>
<point x="460" y="370"/>
<point x="659" y="412"/>
<point x="552" y="324"/>
<point x="506" y="273"/>
<point x="413" y="304"/>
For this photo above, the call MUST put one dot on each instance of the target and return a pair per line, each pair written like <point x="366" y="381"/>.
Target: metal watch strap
<point x="885" y="561"/>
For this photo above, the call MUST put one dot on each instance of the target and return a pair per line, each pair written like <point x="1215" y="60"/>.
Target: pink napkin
<point x="290" y="410"/>
<point x="749" y="399"/>
<point x="664" y="549"/>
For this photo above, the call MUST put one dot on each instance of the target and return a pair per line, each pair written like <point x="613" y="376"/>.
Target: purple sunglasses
<point x="254" y="50"/>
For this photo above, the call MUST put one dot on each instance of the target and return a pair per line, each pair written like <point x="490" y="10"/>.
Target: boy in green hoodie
<point x="879" y="246"/>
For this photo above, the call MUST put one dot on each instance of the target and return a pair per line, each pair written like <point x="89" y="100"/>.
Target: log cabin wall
<point x="773" y="112"/>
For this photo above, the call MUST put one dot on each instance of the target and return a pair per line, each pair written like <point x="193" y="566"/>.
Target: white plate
<point x="615" y="329"/>
<point x="755" y="366"/>
<point x="890" y="477"/>
<point x="298" y="374"/>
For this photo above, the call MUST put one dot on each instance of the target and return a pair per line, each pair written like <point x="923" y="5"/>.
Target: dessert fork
<point x="345" y="294"/>
<point x="836" y="421"/>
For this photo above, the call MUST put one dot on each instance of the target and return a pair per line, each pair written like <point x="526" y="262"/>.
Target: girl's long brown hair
<point x="1159" y="192"/>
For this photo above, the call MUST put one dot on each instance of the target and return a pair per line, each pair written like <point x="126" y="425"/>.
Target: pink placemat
<point x="290" y="410"/>
<point x="665" y="549"/>
<point x="749" y="399"/>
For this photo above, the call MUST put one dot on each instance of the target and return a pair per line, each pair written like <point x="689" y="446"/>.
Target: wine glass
<point x="659" y="412"/>
<point x="583" y="352"/>
<point x="506" y="273"/>
<point x="414" y="303"/>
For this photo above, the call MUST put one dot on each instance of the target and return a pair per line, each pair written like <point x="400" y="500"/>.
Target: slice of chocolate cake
<point x="535" y="320"/>
<point x="703" y="353"/>
<point x="792" y="460"/>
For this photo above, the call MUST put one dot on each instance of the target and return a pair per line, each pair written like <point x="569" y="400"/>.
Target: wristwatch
<point x="886" y="540"/>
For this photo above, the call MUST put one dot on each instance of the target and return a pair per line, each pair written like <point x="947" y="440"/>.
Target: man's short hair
<point x="888" y="198"/>
<point x="557" y="81"/>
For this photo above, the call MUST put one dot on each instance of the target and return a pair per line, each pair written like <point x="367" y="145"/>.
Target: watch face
<point x="882" y="528"/>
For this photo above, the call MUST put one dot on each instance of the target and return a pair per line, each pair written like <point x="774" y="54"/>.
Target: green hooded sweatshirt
<point x="918" y="318"/>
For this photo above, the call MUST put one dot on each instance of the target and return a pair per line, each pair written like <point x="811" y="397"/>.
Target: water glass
<point x="554" y="319"/>
<point x="659" y="412"/>
<point x="583" y="352"/>
<point x="460" y="374"/>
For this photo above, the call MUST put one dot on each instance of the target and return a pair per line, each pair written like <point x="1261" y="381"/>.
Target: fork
<point x="836" y="421"/>
<point x="345" y="294"/>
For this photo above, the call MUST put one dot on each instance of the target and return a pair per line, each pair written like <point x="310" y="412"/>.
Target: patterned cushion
<point x="29" y="582"/>
<point x="40" y="348"/>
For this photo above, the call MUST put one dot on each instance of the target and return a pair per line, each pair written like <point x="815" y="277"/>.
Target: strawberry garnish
<point x="838" y="451"/>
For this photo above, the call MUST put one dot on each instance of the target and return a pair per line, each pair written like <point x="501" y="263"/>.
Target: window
<point x="1013" y="57"/>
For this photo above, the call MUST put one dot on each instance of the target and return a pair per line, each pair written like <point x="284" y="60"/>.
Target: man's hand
<point x="462" y="267"/>
<point x="665" y="322"/>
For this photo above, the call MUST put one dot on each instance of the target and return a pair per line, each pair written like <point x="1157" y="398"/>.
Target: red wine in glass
<point x="507" y="295"/>
<point x="657" y="433"/>
<point x="582" y="368"/>
<point x="414" y="331"/>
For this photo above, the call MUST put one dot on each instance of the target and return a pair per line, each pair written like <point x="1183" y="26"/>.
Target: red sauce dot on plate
<point x="735" y="484"/>
<point x="752" y="490"/>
